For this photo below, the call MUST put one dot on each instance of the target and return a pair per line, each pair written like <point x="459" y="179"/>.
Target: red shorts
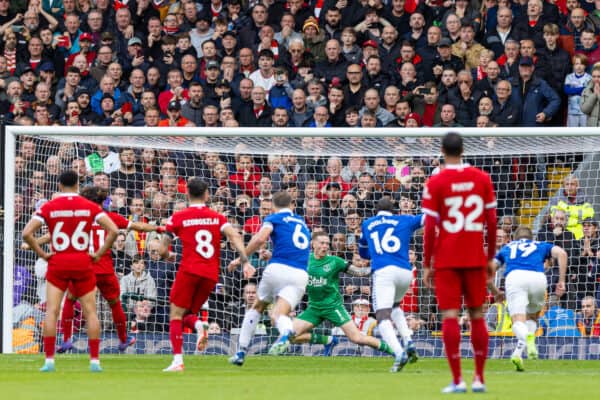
<point x="79" y="282"/>
<point x="108" y="285"/>
<point x="191" y="291"/>
<point x="451" y="284"/>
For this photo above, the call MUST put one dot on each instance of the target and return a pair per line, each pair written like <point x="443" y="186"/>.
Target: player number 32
<point x="464" y="221"/>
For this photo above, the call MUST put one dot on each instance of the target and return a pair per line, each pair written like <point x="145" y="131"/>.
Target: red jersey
<point x="105" y="264"/>
<point x="461" y="199"/>
<point x="69" y="218"/>
<point x="199" y="229"/>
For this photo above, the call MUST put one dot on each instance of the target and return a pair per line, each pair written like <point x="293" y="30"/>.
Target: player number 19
<point x="462" y="221"/>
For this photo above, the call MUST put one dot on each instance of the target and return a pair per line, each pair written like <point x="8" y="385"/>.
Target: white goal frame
<point x="12" y="132"/>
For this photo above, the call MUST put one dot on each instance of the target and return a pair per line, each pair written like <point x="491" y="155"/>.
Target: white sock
<point x="95" y="361"/>
<point x="50" y="360"/>
<point x="177" y="359"/>
<point x="400" y="322"/>
<point x="248" y="326"/>
<point x="520" y="330"/>
<point x="386" y="329"/>
<point x="284" y="325"/>
<point x="199" y="325"/>
<point x="531" y="326"/>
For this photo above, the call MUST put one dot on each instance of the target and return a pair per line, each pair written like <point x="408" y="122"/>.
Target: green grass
<point x="345" y="378"/>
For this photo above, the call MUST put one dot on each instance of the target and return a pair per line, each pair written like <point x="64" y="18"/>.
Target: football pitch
<point x="211" y="377"/>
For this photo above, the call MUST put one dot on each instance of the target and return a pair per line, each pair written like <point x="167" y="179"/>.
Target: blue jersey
<point x="386" y="237"/>
<point x="291" y="239"/>
<point x="525" y="255"/>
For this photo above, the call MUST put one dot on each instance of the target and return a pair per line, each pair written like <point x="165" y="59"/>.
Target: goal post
<point x="527" y="164"/>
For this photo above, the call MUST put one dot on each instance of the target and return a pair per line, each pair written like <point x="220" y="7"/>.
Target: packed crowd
<point x="332" y="194"/>
<point x="343" y="63"/>
<point x="273" y="63"/>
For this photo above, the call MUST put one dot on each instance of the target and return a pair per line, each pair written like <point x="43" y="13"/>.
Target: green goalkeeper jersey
<point x="323" y="281"/>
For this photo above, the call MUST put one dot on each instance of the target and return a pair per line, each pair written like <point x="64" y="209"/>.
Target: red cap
<point x="414" y="116"/>
<point x="371" y="43"/>
<point x="86" y="36"/>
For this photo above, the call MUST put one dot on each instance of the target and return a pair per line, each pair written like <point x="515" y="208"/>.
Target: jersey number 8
<point x="204" y="245"/>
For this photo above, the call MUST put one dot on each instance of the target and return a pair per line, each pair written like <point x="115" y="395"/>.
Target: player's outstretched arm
<point x="144" y="227"/>
<point x="29" y="231"/>
<point x="258" y="240"/>
<point x="498" y="294"/>
<point x="561" y="256"/>
<point x="41" y="241"/>
<point x="165" y="243"/>
<point x="358" y="271"/>
<point x="238" y="243"/>
<point x="111" y="234"/>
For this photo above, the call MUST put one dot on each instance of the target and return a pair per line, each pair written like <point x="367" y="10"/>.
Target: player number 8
<point x="79" y="239"/>
<point x="204" y="245"/>
<point x="299" y="238"/>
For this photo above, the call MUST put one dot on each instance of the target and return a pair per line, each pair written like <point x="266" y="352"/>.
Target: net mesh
<point x="146" y="177"/>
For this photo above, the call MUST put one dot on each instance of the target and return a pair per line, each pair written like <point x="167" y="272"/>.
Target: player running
<point x="385" y="240"/>
<point x="326" y="303"/>
<point x="69" y="218"/>
<point x="284" y="279"/>
<point x="199" y="228"/>
<point x="106" y="279"/>
<point x="526" y="286"/>
<point x="458" y="203"/>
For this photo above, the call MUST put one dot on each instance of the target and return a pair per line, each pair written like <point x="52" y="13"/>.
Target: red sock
<point x="189" y="321"/>
<point x="120" y="320"/>
<point x="176" y="335"/>
<point x="480" y="342"/>
<point x="68" y="312"/>
<point x="94" y="345"/>
<point x="451" y="337"/>
<point x="49" y="346"/>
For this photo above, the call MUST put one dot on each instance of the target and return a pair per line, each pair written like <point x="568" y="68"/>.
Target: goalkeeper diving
<point x="325" y="301"/>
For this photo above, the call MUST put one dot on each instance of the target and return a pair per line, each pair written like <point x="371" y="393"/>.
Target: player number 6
<point x="299" y="238"/>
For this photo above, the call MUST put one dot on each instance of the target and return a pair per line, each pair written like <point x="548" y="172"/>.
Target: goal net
<point x="547" y="180"/>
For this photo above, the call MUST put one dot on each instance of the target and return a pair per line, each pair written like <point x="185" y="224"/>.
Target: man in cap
<point x="174" y="117"/>
<point x="540" y="102"/>
<point x="85" y="48"/>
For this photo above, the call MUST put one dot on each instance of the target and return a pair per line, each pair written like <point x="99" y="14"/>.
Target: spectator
<point x="371" y="103"/>
<point x="573" y="202"/>
<point x="447" y="117"/>
<point x="590" y="98"/>
<point x="574" y="85"/>
<point x="558" y="321"/>
<point x="259" y="113"/>
<point x="137" y="285"/>
<point x="466" y="47"/>
<point x="588" y="319"/>
<point x="496" y="38"/>
<point x="314" y="39"/>
<point x="540" y="102"/>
